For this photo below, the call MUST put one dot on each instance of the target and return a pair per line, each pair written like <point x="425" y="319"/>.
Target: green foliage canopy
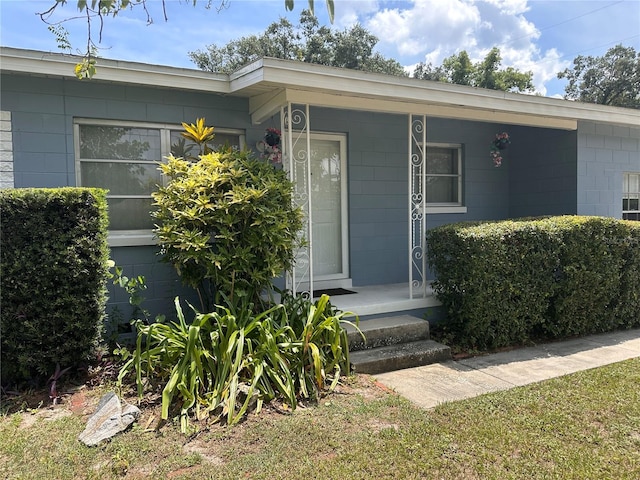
<point x="95" y="11"/>
<point x="613" y="79"/>
<point x="460" y="70"/>
<point x="306" y="42"/>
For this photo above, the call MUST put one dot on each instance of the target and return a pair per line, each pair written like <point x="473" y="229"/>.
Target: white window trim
<point x="626" y="193"/>
<point x="452" y="207"/>
<point x="131" y="238"/>
<point x="435" y="209"/>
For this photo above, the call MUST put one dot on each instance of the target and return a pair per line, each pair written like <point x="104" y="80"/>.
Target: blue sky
<point x="537" y="35"/>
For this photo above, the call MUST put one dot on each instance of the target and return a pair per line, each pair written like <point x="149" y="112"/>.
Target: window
<point x="444" y="178"/>
<point x="631" y="196"/>
<point x="123" y="157"/>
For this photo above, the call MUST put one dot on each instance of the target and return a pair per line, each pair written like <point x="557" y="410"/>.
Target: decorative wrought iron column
<point x="297" y="161"/>
<point x="417" y="205"/>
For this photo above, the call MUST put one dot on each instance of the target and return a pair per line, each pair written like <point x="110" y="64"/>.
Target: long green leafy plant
<point x="322" y="352"/>
<point x="285" y="351"/>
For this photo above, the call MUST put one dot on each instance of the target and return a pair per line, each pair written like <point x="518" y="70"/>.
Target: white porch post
<point x="417" y="204"/>
<point x="297" y="160"/>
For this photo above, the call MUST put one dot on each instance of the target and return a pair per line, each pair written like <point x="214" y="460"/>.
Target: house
<point x="376" y="159"/>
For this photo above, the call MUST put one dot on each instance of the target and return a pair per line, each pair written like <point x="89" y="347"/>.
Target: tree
<point x="613" y="79"/>
<point x="460" y="70"/>
<point x="307" y="42"/>
<point x="95" y="11"/>
<point x="425" y="71"/>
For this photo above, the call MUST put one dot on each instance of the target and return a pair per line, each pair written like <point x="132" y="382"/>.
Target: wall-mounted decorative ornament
<point x="499" y="143"/>
<point x="270" y="147"/>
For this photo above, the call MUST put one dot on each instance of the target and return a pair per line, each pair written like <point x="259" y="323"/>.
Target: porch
<point x="370" y="228"/>
<point x="384" y="299"/>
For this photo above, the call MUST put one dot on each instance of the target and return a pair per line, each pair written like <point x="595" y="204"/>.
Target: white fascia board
<point x="351" y="85"/>
<point x="430" y="109"/>
<point x="249" y="68"/>
<point x="248" y="79"/>
<point x="54" y="64"/>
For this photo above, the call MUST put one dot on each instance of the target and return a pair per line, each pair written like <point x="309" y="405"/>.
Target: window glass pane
<point x="222" y="139"/>
<point x="119" y="143"/>
<point x="121" y="178"/>
<point x="442" y="160"/>
<point x="182" y="147"/>
<point x="130" y="213"/>
<point x="442" y="190"/>
<point x="632" y="183"/>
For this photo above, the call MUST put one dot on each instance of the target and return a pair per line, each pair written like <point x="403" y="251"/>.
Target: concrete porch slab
<point x="380" y="299"/>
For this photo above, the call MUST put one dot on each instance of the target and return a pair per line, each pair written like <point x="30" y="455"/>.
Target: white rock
<point x="108" y="420"/>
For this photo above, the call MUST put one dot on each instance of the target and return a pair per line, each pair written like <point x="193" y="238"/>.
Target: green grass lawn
<point x="582" y="426"/>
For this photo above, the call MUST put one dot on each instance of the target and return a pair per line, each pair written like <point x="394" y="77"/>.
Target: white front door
<point x="328" y="206"/>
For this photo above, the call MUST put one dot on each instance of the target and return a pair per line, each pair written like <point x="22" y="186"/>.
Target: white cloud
<point x="544" y="67"/>
<point x="349" y="12"/>
<point x="510" y="7"/>
<point x="426" y="26"/>
<point x="431" y="30"/>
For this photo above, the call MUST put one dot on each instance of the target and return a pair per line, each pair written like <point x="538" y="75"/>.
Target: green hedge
<point x="53" y="252"/>
<point x="510" y="282"/>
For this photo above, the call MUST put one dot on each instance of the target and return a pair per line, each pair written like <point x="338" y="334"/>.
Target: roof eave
<point x="352" y="86"/>
<point x="33" y="62"/>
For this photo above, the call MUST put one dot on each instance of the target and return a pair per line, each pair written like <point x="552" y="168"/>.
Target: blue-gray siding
<point x="544" y="171"/>
<point x="42" y="113"/>
<point x="605" y="152"/>
<point x="378" y="179"/>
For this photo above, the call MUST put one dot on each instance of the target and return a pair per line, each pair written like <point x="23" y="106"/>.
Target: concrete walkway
<point x="452" y="380"/>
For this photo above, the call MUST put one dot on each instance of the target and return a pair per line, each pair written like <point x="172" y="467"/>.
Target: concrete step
<point x="380" y="332"/>
<point x="399" y="356"/>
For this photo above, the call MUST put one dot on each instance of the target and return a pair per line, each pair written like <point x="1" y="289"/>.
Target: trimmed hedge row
<point x="510" y="282"/>
<point x="53" y="261"/>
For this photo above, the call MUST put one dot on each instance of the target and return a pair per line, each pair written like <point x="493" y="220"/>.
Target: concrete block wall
<point x="42" y="113"/>
<point x="6" y="150"/>
<point x="377" y="192"/>
<point x="486" y="188"/>
<point x="605" y="152"/>
<point x="542" y="175"/>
